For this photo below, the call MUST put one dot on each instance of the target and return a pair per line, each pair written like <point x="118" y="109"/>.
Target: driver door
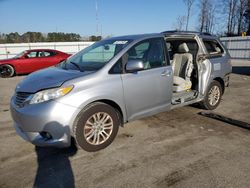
<point x="148" y="91"/>
<point x="28" y="62"/>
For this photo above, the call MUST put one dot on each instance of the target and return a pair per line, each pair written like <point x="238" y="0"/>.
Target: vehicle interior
<point x="183" y="58"/>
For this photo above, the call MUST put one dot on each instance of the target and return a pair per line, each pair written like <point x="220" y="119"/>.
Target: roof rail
<point x="186" y="32"/>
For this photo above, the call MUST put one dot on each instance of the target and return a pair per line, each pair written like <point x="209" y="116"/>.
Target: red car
<point x="31" y="60"/>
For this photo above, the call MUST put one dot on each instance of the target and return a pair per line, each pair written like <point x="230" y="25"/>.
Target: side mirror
<point x="134" y="66"/>
<point x="25" y="57"/>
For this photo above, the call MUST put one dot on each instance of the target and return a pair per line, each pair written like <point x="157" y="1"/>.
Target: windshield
<point x="95" y="56"/>
<point x="20" y="54"/>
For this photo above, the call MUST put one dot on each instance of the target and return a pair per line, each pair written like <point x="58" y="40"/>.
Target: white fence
<point x="10" y="50"/>
<point x="238" y="47"/>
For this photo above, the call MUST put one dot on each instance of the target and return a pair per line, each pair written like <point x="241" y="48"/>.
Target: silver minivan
<point x="94" y="92"/>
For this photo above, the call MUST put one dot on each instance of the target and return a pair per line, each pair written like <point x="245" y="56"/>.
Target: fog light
<point x="46" y="135"/>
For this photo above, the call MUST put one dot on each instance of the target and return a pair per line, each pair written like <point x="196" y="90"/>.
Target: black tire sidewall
<point x="85" y="115"/>
<point x="11" y="69"/>
<point x="206" y="104"/>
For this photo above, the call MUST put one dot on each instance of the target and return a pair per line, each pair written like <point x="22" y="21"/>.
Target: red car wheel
<point x="6" y="71"/>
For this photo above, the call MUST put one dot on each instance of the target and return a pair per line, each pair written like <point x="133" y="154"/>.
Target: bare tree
<point x="230" y="12"/>
<point x="189" y="4"/>
<point x="242" y="10"/>
<point x="210" y="21"/>
<point x="203" y="9"/>
<point x="235" y="14"/>
<point x="248" y="17"/>
<point x="180" y="23"/>
<point x="207" y="15"/>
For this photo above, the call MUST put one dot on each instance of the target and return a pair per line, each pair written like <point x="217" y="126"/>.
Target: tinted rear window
<point x="213" y="47"/>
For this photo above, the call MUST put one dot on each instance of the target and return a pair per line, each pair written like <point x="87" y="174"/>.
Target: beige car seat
<point x="182" y="68"/>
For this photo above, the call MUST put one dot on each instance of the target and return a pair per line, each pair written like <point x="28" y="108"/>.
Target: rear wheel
<point x="6" y="71"/>
<point x="213" y="96"/>
<point x="96" y="127"/>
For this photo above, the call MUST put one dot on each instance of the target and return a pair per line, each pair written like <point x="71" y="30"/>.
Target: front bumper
<point x="52" y="117"/>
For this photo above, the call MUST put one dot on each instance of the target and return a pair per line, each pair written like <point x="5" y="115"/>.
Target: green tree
<point x="33" y="37"/>
<point x="13" y="37"/>
<point x="95" y="38"/>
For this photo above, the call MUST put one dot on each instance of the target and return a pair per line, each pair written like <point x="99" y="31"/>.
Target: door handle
<point x="166" y="73"/>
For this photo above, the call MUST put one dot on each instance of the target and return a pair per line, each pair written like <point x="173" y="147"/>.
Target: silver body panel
<point x="153" y="95"/>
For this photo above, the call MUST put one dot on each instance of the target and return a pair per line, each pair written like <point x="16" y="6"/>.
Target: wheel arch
<point x="221" y="81"/>
<point x="120" y="109"/>
<point x="114" y="105"/>
<point x="9" y="65"/>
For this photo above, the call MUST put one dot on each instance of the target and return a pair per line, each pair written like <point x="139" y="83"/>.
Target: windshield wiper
<point x="77" y="66"/>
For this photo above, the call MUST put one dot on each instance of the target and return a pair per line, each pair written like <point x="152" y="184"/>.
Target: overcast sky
<point x="116" y="17"/>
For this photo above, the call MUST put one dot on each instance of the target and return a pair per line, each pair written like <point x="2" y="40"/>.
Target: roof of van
<point x="162" y="34"/>
<point x="200" y="34"/>
<point x="139" y="36"/>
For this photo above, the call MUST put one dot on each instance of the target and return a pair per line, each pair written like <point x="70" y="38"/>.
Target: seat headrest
<point x="183" y="48"/>
<point x="168" y="45"/>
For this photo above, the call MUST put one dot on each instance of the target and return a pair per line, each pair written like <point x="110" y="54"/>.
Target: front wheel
<point x="6" y="71"/>
<point x="213" y="96"/>
<point x="96" y="127"/>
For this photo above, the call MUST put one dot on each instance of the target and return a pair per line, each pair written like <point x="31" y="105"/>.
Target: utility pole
<point x="96" y="17"/>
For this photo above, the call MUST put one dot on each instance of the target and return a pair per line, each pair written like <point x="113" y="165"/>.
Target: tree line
<point x="27" y="37"/>
<point x="223" y="17"/>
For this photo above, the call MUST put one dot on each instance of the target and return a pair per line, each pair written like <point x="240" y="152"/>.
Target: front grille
<point x="20" y="98"/>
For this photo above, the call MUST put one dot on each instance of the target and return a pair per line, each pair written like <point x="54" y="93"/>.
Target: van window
<point x="173" y="45"/>
<point x="213" y="47"/>
<point x="151" y="52"/>
<point x="97" y="55"/>
<point x="32" y="54"/>
<point x="117" y="68"/>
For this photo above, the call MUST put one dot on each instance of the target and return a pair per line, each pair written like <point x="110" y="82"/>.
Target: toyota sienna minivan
<point x="114" y="81"/>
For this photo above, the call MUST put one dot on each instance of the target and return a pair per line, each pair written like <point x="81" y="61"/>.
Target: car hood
<point x="47" y="78"/>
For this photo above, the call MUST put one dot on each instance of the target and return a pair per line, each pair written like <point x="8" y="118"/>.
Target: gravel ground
<point x="179" y="148"/>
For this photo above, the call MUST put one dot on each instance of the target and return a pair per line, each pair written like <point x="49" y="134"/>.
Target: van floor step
<point x="183" y="96"/>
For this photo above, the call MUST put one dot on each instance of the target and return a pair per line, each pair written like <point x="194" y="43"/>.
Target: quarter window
<point x="213" y="47"/>
<point x="45" y="54"/>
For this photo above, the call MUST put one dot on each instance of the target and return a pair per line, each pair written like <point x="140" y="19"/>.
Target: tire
<point x="96" y="127"/>
<point x="213" y="96"/>
<point x="7" y="71"/>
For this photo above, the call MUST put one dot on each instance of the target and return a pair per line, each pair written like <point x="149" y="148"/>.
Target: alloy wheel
<point x="98" y="128"/>
<point x="214" y="95"/>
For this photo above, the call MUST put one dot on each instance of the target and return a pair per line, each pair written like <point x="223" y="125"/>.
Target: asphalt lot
<point x="179" y="148"/>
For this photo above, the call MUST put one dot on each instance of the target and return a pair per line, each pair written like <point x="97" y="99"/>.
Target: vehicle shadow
<point x="54" y="168"/>
<point x="243" y="70"/>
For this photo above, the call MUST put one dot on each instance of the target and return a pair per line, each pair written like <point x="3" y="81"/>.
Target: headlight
<point x="49" y="94"/>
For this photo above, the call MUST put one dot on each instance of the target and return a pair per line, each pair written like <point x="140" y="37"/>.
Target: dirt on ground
<point x="179" y="148"/>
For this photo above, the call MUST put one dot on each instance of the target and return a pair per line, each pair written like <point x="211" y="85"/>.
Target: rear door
<point x="29" y="62"/>
<point x="148" y="91"/>
<point x="216" y="62"/>
<point x="47" y="58"/>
